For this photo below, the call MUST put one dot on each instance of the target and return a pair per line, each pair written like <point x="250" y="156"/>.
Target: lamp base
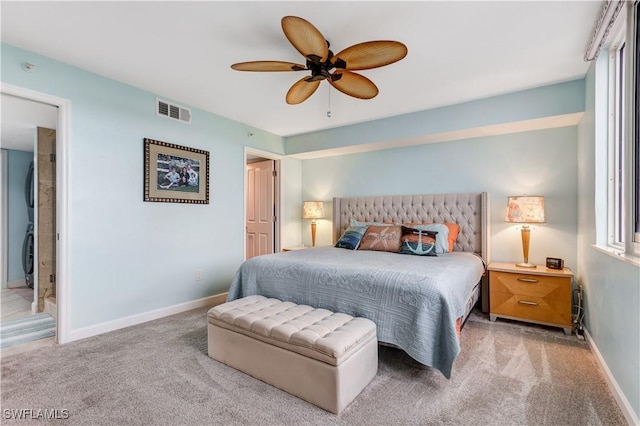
<point x="526" y="234"/>
<point x="525" y="265"/>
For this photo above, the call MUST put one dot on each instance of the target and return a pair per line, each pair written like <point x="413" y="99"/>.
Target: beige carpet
<point x="159" y="373"/>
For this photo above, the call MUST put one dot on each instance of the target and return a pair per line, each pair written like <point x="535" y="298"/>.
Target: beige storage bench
<point x="322" y="357"/>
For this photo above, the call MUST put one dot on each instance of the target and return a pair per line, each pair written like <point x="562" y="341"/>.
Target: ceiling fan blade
<point x="371" y="54"/>
<point x="267" y="66"/>
<point x="353" y="84"/>
<point x="301" y="90"/>
<point x="305" y="38"/>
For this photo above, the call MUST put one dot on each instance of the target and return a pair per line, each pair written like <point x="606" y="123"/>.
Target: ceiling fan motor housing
<point x="322" y="70"/>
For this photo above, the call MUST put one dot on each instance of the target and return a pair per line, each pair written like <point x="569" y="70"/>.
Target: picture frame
<point x="175" y="173"/>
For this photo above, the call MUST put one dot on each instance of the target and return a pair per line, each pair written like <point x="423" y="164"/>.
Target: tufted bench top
<point x="315" y="333"/>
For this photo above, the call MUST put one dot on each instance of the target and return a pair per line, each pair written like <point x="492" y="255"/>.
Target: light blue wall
<point x="548" y="101"/>
<point x="127" y="256"/>
<point x="537" y="162"/>
<point x="17" y="216"/>
<point x="611" y="286"/>
<point x="291" y="203"/>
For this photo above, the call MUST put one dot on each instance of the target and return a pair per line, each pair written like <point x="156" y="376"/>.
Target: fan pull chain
<point x="329" y="106"/>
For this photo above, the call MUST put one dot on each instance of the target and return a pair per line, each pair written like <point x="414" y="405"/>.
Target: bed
<point x="417" y="302"/>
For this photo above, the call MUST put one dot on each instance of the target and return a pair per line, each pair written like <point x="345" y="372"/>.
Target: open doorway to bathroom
<point x="28" y="309"/>
<point x="262" y="203"/>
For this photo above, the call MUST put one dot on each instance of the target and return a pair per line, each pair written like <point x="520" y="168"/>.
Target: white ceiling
<point x="458" y="51"/>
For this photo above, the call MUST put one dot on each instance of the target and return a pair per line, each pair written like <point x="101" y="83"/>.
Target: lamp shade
<point x="313" y="210"/>
<point x="525" y="209"/>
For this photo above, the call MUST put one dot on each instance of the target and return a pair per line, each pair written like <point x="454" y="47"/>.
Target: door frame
<point x="278" y="196"/>
<point x="62" y="199"/>
<point x="4" y="224"/>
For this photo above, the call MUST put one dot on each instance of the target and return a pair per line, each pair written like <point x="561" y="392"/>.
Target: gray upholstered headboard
<point x="470" y="211"/>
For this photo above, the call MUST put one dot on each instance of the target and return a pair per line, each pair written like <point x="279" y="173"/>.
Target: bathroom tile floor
<point x="15" y="302"/>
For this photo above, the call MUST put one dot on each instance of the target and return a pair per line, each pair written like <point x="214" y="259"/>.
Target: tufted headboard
<point x="470" y="211"/>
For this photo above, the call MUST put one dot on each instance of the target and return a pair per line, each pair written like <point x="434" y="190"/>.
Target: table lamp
<point x="525" y="209"/>
<point x="313" y="210"/>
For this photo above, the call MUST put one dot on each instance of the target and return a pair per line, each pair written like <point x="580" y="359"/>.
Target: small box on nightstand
<point x="555" y="263"/>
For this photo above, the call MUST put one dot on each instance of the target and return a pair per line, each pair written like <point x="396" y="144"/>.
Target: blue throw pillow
<point x="351" y="238"/>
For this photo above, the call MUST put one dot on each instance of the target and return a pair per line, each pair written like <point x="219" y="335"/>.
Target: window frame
<point x="633" y="129"/>
<point x="623" y="145"/>
<point x="616" y="134"/>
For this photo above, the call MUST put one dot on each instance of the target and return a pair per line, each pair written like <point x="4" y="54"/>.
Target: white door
<point x="260" y="208"/>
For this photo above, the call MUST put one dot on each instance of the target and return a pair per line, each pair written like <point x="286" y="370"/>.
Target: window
<point x="616" y="163"/>
<point x="623" y="163"/>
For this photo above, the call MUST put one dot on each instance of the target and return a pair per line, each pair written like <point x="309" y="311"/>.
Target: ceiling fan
<point x="324" y="65"/>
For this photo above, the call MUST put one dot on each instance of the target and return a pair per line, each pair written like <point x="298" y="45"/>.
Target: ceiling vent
<point x="176" y="112"/>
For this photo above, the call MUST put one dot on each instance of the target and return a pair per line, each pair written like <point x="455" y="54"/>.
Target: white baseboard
<point x="105" y="327"/>
<point x="618" y="395"/>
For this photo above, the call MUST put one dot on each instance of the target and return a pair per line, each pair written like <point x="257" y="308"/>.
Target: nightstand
<point x="538" y="295"/>
<point x="294" y="248"/>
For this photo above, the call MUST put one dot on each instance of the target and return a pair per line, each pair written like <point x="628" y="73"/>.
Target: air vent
<point x="176" y="112"/>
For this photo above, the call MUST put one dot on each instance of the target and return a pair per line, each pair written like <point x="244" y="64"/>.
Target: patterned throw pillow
<point x="418" y="242"/>
<point x="442" y="235"/>
<point x="351" y="238"/>
<point x="382" y="238"/>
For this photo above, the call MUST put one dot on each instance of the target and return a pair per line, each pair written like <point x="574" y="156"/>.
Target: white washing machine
<point x="28" y="245"/>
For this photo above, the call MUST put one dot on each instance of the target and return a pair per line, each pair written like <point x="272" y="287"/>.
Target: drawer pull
<point x="526" y="302"/>
<point x="528" y="280"/>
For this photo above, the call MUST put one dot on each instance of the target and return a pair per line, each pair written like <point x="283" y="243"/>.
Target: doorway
<point x="262" y="203"/>
<point x="26" y="110"/>
<point x="27" y="300"/>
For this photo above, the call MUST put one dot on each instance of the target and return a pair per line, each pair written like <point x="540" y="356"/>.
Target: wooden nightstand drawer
<point x="549" y="311"/>
<point x="558" y="288"/>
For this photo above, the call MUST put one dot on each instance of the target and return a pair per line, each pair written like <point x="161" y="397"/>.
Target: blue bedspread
<point x="414" y="300"/>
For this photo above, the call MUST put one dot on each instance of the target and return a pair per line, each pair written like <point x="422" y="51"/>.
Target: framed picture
<point x="175" y="174"/>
